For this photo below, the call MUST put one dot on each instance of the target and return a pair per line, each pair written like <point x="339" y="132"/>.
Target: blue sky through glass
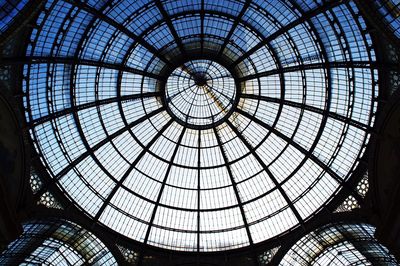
<point x="95" y="106"/>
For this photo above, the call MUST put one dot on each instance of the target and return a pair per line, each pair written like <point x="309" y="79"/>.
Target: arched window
<point x="56" y="242"/>
<point x="339" y="244"/>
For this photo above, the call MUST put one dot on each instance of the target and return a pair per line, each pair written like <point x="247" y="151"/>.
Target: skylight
<point x="56" y="242"/>
<point x="339" y="244"/>
<point x="200" y="125"/>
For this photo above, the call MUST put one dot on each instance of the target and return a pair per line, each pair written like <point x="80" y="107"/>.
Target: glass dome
<point x="54" y="241"/>
<point x="339" y="244"/>
<point x="389" y="9"/>
<point x="200" y="125"/>
<point x="9" y="10"/>
<point x="201" y="94"/>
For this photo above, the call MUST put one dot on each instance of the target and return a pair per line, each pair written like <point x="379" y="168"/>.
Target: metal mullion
<point x="234" y="186"/>
<point x="184" y="102"/>
<point x="208" y="66"/>
<point x="221" y="93"/>
<point x="76" y="61"/>
<point x="327" y="113"/>
<point x="371" y="116"/>
<point x="336" y="26"/>
<point x="195" y="56"/>
<point x="51" y="78"/>
<point x="310" y="108"/>
<point x="96" y="103"/>
<point x="370" y="12"/>
<point x="188" y="114"/>
<point x="180" y="76"/>
<point x="266" y="169"/>
<point x="352" y="78"/>
<point x="53" y="250"/>
<point x="78" y="125"/>
<point x="171" y="27"/>
<point x="73" y="236"/>
<point x="131" y="167"/>
<point x="119" y="87"/>
<point x="211" y="95"/>
<point x="65" y="258"/>
<point x="340" y="241"/>
<point x="322" y="65"/>
<point x="308" y="153"/>
<point x="306" y="16"/>
<point x="164" y="182"/>
<point x="234" y="26"/>
<point x="100" y="15"/>
<point x="328" y="67"/>
<point x="51" y="182"/>
<point x="198" y="188"/>
<point x="218" y="13"/>
<point x="169" y="99"/>
<point x="50" y="81"/>
<point x="210" y="110"/>
<point x="185" y="13"/>
<point x="26" y="78"/>
<point x="281" y="82"/>
<point x="202" y="17"/>
<point x="379" y="247"/>
<point x="281" y="104"/>
<point x="84" y="155"/>
<point x="39" y="237"/>
<point x="166" y="177"/>
<point x="221" y="77"/>
<point x="358" y="243"/>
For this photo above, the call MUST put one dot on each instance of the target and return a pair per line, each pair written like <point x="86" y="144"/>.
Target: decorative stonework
<point x="49" y="201"/>
<point x="363" y="186"/>
<point x="35" y="182"/>
<point x="267" y="256"/>
<point x="349" y="204"/>
<point x="130" y="256"/>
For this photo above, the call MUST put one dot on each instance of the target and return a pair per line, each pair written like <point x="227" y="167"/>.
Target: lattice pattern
<point x="49" y="201"/>
<point x="339" y="244"/>
<point x="363" y="186"/>
<point x="56" y="242"/>
<point x="267" y="256"/>
<point x="130" y="256"/>
<point x="35" y="182"/>
<point x="296" y="83"/>
<point x="9" y="10"/>
<point x="350" y="203"/>
<point x="390" y="11"/>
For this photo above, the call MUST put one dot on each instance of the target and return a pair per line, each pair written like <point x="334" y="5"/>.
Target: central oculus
<point x="200" y="94"/>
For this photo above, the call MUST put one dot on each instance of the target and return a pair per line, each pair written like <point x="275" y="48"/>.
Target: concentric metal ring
<point x="264" y="152"/>
<point x="200" y="94"/>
